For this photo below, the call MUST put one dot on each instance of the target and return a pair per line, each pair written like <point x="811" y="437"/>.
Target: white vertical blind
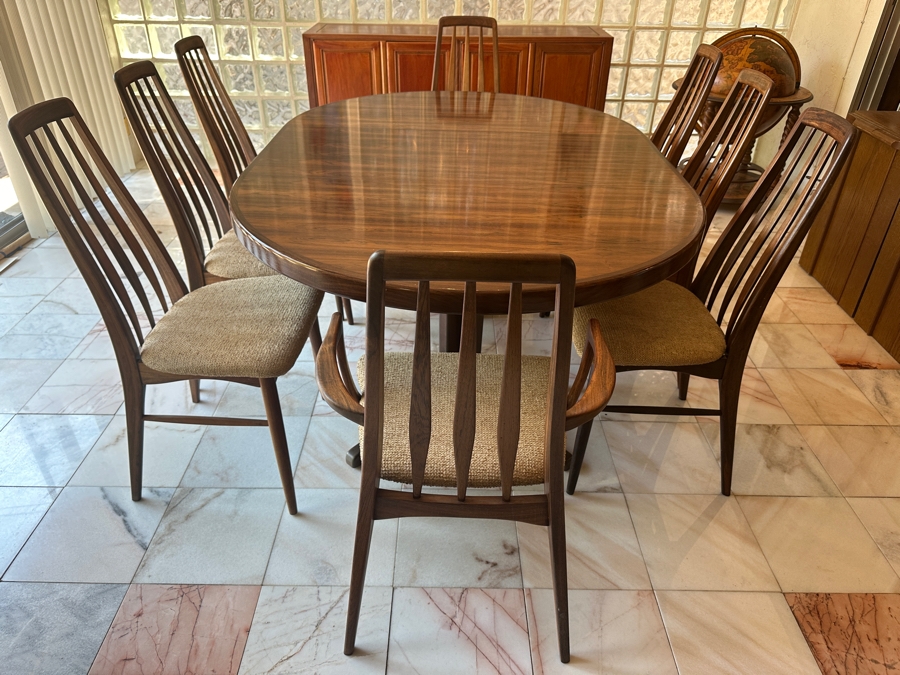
<point x="67" y="44"/>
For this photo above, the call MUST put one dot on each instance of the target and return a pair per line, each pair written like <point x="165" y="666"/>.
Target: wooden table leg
<point x="451" y="329"/>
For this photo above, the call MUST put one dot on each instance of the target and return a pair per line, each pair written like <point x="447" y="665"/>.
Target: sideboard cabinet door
<point x="572" y="72"/>
<point x="345" y="69"/>
<point x="410" y="64"/>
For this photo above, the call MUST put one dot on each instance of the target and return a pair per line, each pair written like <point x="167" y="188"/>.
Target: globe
<point x="757" y="53"/>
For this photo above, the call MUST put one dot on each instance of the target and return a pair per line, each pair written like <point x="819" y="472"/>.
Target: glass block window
<point x="259" y="50"/>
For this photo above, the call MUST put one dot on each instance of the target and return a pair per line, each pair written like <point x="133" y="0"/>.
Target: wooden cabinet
<point x="853" y="248"/>
<point x="564" y="63"/>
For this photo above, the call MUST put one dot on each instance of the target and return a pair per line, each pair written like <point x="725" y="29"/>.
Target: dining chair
<point x="230" y="142"/>
<point x="453" y="81"/>
<point x="707" y="329"/>
<point x="248" y="331"/>
<point x="465" y="420"/>
<point x="678" y="122"/>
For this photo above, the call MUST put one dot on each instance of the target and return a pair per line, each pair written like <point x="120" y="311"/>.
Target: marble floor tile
<point x="662" y="457"/>
<point x="7" y="321"/>
<point x="850" y="633"/>
<point x="758" y="403"/>
<point x="168" y="449"/>
<point x="322" y="463"/>
<point x="773" y="459"/>
<point x="882" y="388"/>
<point x="72" y="296"/>
<point x="797" y="277"/>
<point x="817" y="544"/>
<point x="21" y="379"/>
<point x="241" y="457"/>
<point x="698" y="542"/>
<point x="71" y="326"/>
<point x="21" y="509"/>
<point x="851" y="348"/>
<point x="91" y="535"/>
<point x="54" y="629"/>
<point x="95" y="345"/>
<point x="734" y="633"/>
<point x="598" y="473"/>
<point x="178" y="629"/>
<point x="788" y="346"/>
<point x="297" y="392"/>
<point x="459" y="630"/>
<point x="20" y="296"/>
<point x="42" y="262"/>
<point x="778" y="312"/>
<point x="79" y="387"/>
<point x="299" y="629"/>
<point x="214" y="537"/>
<point x="602" y="550"/>
<point x="813" y="305"/>
<point x="861" y="460"/>
<point x="610" y="632"/>
<point x="881" y="518"/>
<point x="16" y="346"/>
<point x="45" y="450"/>
<point x="821" y="396"/>
<point x="315" y="548"/>
<point x="457" y="552"/>
<point x="174" y="398"/>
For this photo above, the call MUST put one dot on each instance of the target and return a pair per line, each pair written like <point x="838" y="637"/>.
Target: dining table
<point x="466" y="171"/>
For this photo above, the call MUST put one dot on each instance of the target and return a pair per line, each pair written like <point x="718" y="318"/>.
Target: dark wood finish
<point x="566" y="63"/>
<point x="459" y="78"/>
<point x="678" y="123"/>
<point x="430" y="271"/>
<point x="337" y="184"/>
<point x="123" y="262"/>
<point x="746" y="263"/>
<point x="223" y="126"/>
<point x="854" y="247"/>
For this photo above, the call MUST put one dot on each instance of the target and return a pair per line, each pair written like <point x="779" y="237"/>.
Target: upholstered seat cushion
<point x="664" y="325"/>
<point x="229" y="259"/>
<point x="239" y="328"/>
<point x="440" y="468"/>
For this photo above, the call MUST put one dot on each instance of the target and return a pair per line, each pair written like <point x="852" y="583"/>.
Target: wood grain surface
<point x="461" y="171"/>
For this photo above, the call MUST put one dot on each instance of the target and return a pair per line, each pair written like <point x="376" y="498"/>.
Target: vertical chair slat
<point x="509" y="420"/>
<point x="464" y="412"/>
<point x="420" y="400"/>
<point x="480" y="58"/>
<point x="467" y="64"/>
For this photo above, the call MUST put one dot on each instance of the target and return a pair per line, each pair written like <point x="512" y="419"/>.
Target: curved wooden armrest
<point x="596" y="360"/>
<point x="333" y="374"/>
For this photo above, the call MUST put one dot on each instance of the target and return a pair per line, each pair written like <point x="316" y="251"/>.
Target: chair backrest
<point x="727" y="140"/>
<point x="746" y="263"/>
<point x="454" y="81"/>
<point x="512" y="269"/>
<point x="229" y="139"/>
<point x="675" y="128"/>
<point x="192" y="194"/>
<point x="128" y="270"/>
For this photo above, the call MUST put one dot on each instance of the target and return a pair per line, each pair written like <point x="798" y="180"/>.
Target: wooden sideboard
<point x="563" y="63"/>
<point x="853" y="248"/>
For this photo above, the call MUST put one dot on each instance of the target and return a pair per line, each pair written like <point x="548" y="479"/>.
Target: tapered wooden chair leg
<point x="339" y="301"/>
<point x="279" y="441"/>
<point x="683" y="380"/>
<point x="729" y="393"/>
<point x="315" y="337"/>
<point x="581" y="441"/>
<point x="557" y="533"/>
<point x="195" y="390"/>
<point x="348" y="310"/>
<point x="364" y="522"/>
<point x="134" y="422"/>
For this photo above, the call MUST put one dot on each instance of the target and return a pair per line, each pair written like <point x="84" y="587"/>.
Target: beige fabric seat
<point x="440" y="469"/>
<point x="238" y="328"/>
<point x="664" y="325"/>
<point x="229" y="258"/>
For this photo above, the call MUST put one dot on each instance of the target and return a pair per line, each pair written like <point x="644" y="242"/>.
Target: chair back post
<point x="227" y="135"/>
<point x="727" y="140"/>
<point x="674" y="130"/>
<point x="188" y="186"/>
<point x="452" y="80"/>
<point x="44" y="137"/>
<point x="743" y="269"/>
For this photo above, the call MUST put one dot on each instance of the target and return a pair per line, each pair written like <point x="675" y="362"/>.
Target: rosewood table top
<point x="446" y="171"/>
